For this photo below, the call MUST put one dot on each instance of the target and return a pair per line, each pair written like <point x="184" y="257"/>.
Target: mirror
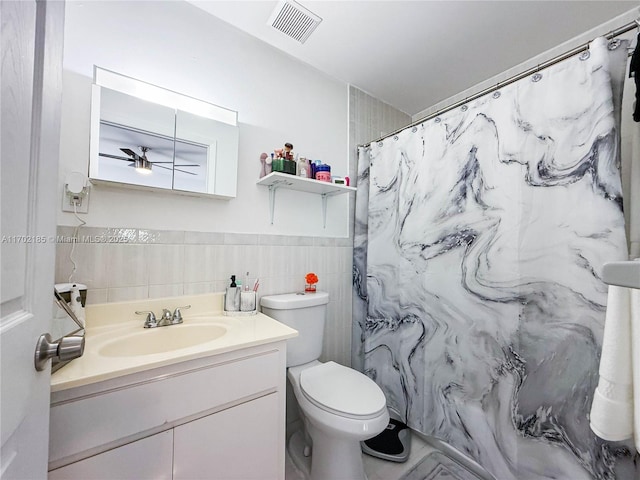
<point x="144" y="136"/>
<point x="63" y="324"/>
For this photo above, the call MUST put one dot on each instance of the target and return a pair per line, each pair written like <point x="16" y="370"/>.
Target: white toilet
<point x="340" y="406"/>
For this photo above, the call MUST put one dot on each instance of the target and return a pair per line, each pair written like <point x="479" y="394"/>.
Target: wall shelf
<point x="276" y="180"/>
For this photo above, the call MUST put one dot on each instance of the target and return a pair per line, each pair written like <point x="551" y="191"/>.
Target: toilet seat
<point x="342" y="391"/>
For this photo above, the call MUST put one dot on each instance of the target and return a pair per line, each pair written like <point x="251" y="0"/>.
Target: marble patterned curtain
<point x="479" y="240"/>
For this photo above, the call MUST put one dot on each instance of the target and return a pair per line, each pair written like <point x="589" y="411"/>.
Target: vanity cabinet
<point x="219" y="417"/>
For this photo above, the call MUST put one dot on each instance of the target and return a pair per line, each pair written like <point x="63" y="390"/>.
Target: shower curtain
<point x="480" y="235"/>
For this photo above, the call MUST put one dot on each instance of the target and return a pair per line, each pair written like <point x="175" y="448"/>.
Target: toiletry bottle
<point x="236" y="299"/>
<point x="323" y="173"/>
<point x="302" y="167"/>
<point x="230" y="297"/>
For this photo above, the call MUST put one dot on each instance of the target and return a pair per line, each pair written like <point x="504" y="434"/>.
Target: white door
<point x="30" y="84"/>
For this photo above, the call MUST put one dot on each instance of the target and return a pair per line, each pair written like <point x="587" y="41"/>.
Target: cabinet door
<point x="149" y="458"/>
<point x="238" y="443"/>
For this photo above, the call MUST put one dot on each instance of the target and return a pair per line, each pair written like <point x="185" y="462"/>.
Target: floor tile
<point x="376" y="468"/>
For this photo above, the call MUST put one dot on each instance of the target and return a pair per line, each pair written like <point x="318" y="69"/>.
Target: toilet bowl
<point x="340" y="407"/>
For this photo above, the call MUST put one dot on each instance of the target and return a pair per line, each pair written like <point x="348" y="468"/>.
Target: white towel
<point x="617" y="398"/>
<point x="633" y="193"/>
<point x="635" y="354"/>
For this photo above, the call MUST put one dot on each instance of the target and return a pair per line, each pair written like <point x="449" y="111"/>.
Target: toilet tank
<point x="306" y="312"/>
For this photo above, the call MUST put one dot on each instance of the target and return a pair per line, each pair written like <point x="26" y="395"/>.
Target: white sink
<point x="149" y="341"/>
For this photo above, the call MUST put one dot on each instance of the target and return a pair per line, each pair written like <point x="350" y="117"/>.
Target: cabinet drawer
<point x="93" y="421"/>
<point x="149" y="458"/>
<point x="240" y="443"/>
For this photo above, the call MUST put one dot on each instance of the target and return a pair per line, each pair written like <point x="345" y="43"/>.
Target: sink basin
<point x="162" y="339"/>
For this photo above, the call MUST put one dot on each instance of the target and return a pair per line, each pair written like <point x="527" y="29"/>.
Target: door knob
<point x="66" y="349"/>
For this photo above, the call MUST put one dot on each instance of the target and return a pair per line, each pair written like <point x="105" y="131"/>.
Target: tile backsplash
<point x="119" y="264"/>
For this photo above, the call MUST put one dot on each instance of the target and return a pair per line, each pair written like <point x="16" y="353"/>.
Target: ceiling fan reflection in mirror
<point x="143" y="165"/>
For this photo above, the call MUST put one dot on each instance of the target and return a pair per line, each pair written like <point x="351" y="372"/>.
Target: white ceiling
<point x="414" y="54"/>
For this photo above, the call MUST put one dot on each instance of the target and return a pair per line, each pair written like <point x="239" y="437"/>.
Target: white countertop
<point x="107" y="323"/>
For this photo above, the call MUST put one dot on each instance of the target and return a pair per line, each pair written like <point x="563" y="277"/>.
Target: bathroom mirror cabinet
<point x="144" y="136"/>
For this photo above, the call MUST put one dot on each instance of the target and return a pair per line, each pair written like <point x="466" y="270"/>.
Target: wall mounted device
<point x="76" y="193"/>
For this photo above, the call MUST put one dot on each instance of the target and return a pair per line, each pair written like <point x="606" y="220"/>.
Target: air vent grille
<point x="294" y="20"/>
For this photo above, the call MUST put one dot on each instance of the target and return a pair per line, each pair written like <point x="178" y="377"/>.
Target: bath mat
<point x="437" y="466"/>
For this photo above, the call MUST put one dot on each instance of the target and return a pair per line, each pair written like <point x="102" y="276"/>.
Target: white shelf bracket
<point x="324" y="210"/>
<point x="277" y="180"/>
<point x="272" y="200"/>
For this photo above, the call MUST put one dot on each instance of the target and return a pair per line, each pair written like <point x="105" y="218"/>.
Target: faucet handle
<point x="151" y="320"/>
<point x="177" y="315"/>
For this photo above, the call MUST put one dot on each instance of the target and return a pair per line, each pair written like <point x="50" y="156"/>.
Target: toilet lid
<point x="342" y="390"/>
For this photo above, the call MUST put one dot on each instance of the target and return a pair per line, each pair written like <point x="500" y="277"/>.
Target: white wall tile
<point x="239" y="259"/>
<point x="205" y="238"/>
<point x="198" y="288"/>
<point x="123" y="294"/>
<point x="92" y="261"/>
<point x="127" y="265"/>
<point x="240" y="239"/>
<point x="160" y="291"/>
<point x="96" y="295"/>
<point x="200" y="262"/>
<point x="166" y="264"/>
<point x="160" y="236"/>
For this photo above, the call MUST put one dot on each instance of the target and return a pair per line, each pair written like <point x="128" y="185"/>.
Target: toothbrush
<point x="256" y="285"/>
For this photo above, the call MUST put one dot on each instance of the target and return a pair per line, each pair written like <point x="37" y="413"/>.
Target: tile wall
<point x="120" y="264"/>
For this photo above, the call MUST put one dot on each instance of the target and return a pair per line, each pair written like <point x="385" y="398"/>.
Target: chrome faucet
<point x="150" y="321"/>
<point x="177" y="315"/>
<point x="167" y="318"/>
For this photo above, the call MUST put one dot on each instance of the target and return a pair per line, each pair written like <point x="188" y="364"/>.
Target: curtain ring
<point x="614" y="43"/>
<point x="585" y="55"/>
<point x="496" y="92"/>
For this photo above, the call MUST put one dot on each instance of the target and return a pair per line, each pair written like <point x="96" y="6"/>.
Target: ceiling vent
<point x="294" y="20"/>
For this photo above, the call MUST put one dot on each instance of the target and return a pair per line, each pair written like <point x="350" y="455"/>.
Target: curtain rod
<point x="585" y="46"/>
